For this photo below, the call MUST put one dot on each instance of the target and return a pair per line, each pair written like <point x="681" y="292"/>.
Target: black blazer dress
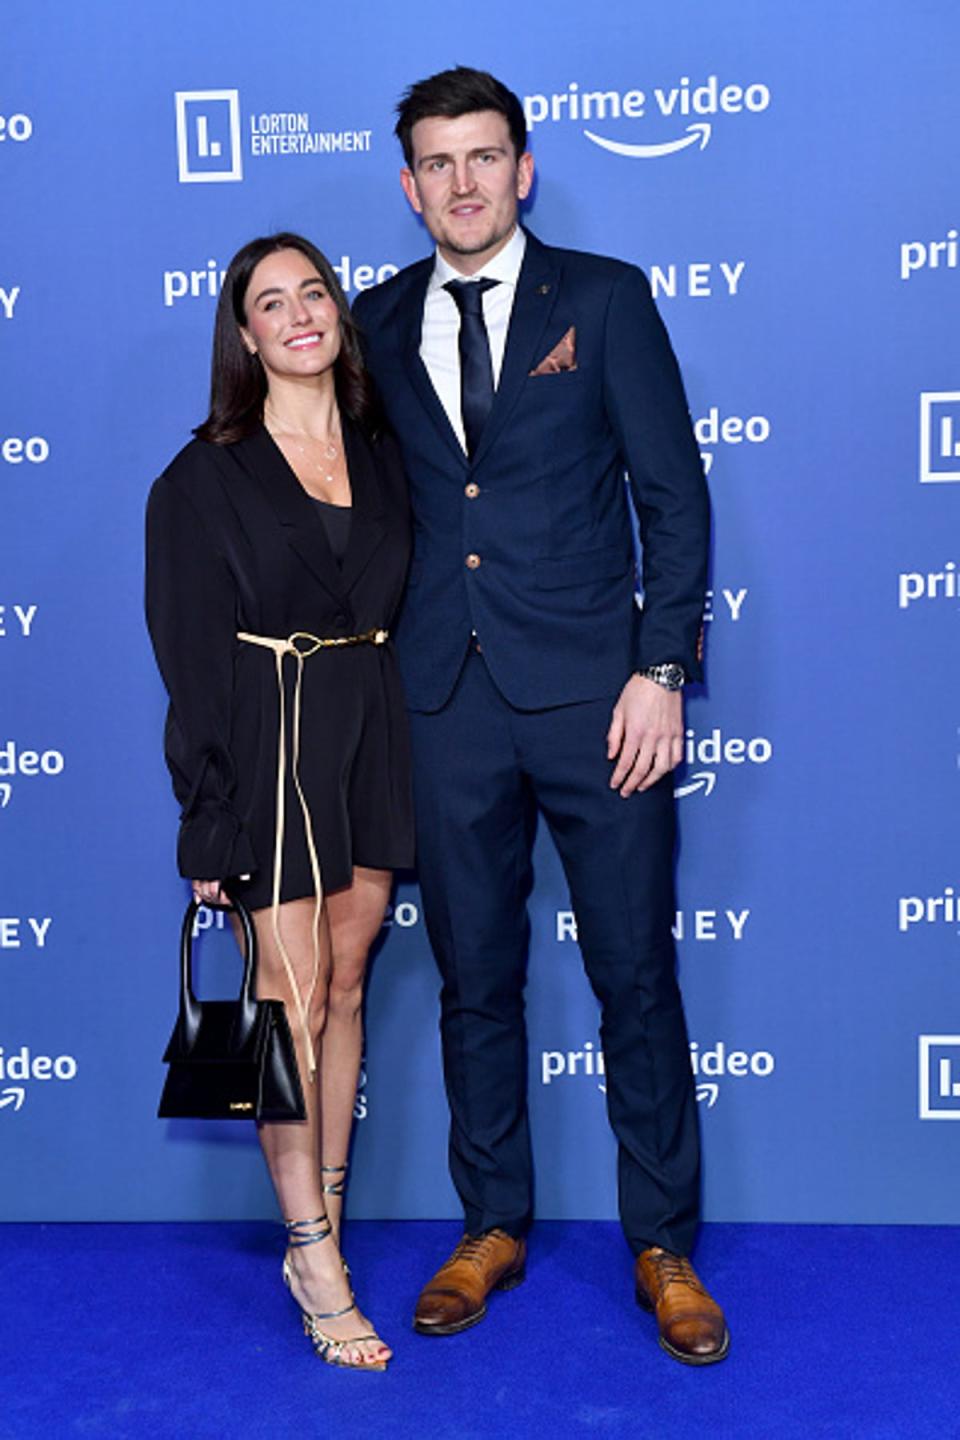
<point x="236" y="545"/>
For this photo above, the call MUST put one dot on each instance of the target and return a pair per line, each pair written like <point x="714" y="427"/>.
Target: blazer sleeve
<point x="647" y="407"/>
<point x="191" y="606"/>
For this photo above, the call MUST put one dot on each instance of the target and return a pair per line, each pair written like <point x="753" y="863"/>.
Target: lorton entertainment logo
<point x="940" y="1077"/>
<point x="710" y="1067"/>
<point x="939" y="436"/>
<point x="19" y="1067"/>
<point x="714" y="750"/>
<point x="208" y="135"/>
<point x="210" y="129"/>
<point x="663" y="108"/>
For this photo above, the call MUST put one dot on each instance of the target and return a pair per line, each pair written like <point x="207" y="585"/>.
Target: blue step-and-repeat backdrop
<point x="788" y="178"/>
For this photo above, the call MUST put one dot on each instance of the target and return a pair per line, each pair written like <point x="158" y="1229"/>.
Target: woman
<point x="285" y="524"/>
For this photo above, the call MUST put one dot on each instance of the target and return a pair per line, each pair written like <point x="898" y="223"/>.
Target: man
<point x="521" y="381"/>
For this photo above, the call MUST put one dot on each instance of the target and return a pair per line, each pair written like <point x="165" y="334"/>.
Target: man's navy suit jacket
<point x="552" y="599"/>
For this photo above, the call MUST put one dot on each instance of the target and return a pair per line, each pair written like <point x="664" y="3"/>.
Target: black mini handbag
<point x="230" y="1059"/>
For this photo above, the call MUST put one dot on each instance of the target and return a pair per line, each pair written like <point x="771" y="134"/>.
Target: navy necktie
<point x="476" y="370"/>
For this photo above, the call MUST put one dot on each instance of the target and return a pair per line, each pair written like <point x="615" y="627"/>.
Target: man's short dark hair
<point x="453" y="93"/>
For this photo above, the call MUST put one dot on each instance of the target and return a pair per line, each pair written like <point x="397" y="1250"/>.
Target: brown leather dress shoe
<point x="691" y="1323"/>
<point x="456" y="1297"/>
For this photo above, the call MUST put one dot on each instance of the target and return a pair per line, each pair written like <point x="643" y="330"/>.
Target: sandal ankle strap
<point x="333" y="1314"/>
<point x="307" y="1232"/>
<point x="335" y="1187"/>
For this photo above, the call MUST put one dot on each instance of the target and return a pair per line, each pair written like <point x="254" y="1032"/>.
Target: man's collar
<point x="505" y="265"/>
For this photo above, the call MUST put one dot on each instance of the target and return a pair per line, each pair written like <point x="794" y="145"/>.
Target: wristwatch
<point x="671" y="675"/>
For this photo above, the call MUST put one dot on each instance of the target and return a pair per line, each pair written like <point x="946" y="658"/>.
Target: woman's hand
<point x="209" y="892"/>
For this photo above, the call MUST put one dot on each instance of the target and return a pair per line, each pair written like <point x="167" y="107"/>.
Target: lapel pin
<point x="543" y="289"/>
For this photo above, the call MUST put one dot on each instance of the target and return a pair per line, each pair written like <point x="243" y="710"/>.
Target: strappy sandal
<point x="311" y="1232"/>
<point x="337" y="1188"/>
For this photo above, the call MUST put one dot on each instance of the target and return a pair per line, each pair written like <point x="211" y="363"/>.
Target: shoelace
<point x="475" y="1249"/>
<point x="674" y="1270"/>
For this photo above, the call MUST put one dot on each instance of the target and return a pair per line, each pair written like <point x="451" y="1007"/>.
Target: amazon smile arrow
<point x="701" y="780"/>
<point x="700" y="132"/>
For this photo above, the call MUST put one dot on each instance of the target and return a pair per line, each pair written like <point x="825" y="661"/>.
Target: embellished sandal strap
<point x="332" y="1350"/>
<point x="335" y="1187"/>
<point x="302" y="1232"/>
<point x="332" y="1314"/>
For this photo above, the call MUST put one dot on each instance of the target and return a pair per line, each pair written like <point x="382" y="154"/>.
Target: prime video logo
<point x="709" y="1067"/>
<point x="673" y="102"/>
<point x="714" y="750"/>
<point x="20" y="1065"/>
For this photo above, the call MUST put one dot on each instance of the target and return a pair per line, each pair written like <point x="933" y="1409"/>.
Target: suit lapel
<point x="367" y="525"/>
<point x="410" y="321"/>
<point x="297" y="513"/>
<point x="537" y="287"/>
<point x="303" y="528"/>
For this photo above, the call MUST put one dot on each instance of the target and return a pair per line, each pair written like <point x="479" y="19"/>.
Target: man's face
<point x="466" y="182"/>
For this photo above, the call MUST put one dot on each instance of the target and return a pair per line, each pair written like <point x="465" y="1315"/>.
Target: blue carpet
<point x="185" y="1331"/>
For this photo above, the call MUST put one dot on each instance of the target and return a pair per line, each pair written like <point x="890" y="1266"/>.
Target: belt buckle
<point x="310" y="648"/>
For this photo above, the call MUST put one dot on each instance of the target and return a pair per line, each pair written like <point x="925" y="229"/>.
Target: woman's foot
<point x="319" y="1284"/>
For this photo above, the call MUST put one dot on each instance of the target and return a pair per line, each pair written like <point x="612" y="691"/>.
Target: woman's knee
<point x="345" y="994"/>
<point x="317" y="1018"/>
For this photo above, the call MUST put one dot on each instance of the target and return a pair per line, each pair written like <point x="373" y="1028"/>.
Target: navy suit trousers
<point x="481" y="770"/>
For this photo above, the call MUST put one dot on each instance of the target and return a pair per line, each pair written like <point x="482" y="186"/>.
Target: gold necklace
<point x="330" y="451"/>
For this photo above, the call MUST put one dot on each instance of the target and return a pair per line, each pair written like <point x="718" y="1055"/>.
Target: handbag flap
<point x="218" y="1033"/>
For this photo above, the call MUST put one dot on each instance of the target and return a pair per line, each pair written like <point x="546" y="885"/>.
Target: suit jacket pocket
<point x="555" y="572"/>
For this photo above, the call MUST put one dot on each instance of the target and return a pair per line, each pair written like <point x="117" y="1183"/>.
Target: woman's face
<point x="292" y="321"/>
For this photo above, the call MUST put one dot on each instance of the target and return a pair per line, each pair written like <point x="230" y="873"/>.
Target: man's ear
<point x="524" y="175"/>
<point x="410" y="188"/>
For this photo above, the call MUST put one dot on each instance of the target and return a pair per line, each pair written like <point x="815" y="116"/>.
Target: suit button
<point x="339" y="622"/>
<point x="473" y="562"/>
<point x="472" y="490"/>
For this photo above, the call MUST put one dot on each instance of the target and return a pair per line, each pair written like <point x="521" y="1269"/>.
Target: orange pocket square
<point x="562" y="357"/>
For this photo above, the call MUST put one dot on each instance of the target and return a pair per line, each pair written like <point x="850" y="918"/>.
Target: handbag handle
<point x="189" y="1005"/>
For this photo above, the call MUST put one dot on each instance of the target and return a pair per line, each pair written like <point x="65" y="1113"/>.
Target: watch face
<point x="670" y="675"/>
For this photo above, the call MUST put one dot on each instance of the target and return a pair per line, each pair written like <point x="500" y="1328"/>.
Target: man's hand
<point x="645" y="736"/>
<point x="209" y="892"/>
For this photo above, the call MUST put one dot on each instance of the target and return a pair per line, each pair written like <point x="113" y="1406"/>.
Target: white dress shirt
<point x="440" y="335"/>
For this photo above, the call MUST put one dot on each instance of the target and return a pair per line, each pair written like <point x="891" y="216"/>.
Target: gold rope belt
<point x="301" y="644"/>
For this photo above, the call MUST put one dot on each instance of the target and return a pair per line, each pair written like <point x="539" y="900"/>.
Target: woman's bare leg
<point x="355" y="915"/>
<point x="291" y="1147"/>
